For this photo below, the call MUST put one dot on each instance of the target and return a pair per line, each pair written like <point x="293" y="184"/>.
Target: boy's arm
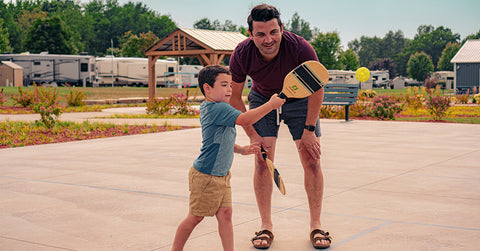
<point x="237" y="102"/>
<point x="251" y="116"/>
<point x="245" y="150"/>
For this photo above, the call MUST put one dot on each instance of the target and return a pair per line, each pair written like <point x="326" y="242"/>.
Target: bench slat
<point x="334" y="95"/>
<point x="341" y="85"/>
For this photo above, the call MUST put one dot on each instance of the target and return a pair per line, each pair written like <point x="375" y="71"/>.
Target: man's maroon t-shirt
<point x="268" y="76"/>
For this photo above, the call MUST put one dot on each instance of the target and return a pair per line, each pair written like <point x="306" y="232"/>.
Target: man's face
<point x="267" y="37"/>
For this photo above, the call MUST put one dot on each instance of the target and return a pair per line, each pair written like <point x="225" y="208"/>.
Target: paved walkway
<point x="388" y="186"/>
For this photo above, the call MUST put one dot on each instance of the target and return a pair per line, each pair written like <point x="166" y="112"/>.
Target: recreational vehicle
<point x="189" y="75"/>
<point x="54" y="70"/>
<point x="123" y="71"/>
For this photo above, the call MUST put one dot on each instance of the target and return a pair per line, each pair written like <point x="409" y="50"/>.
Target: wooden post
<point x="152" y="85"/>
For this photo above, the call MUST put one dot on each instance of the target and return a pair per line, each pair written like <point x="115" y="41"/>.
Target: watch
<point x="309" y="127"/>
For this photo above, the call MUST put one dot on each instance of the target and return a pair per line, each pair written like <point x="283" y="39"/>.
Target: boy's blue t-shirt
<point x="218" y="138"/>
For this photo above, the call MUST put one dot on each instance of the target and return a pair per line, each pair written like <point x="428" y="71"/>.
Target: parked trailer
<point x="124" y="71"/>
<point x="54" y="70"/>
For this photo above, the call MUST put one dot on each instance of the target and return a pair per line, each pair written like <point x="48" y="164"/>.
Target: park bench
<point x="340" y="94"/>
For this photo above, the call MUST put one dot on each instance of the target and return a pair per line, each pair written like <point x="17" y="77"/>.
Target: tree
<point x="432" y="41"/>
<point x="109" y="21"/>
<point x="52" y="35"/>
<point x="327" y="47"/>
<point x="348" y="60"/>
<point x="299" y="27"/>
<point x="385" y="64"/>
<point x="4" y="42"/>
<point x="134" y="46"/>
<point x="448" y="53"/>
<point x="205" y="24"/>
<point x="367" y="49"/>
<point x="371" y="49"/>
<point x="472" y="36"/>
<point x="420" y="66"/>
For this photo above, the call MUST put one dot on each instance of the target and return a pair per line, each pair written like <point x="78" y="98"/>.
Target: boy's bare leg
<point x="225" y="227"/>
<point x="184" y="230"/>
<point x="263" y="186"/>
<point x="313" y="179"/>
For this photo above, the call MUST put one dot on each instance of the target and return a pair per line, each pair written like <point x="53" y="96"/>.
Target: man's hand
<point x="310" y="143"/>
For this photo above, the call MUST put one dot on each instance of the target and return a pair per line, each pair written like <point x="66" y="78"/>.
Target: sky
<point x="350" y="18"/>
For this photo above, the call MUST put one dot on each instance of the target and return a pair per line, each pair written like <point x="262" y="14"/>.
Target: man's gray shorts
<point x="293" y="113"/>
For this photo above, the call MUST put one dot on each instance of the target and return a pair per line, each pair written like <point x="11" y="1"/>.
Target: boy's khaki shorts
<point x="208" y="193"/>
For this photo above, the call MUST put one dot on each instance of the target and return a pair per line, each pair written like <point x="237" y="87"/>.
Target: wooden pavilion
<point x="210" y="47"/>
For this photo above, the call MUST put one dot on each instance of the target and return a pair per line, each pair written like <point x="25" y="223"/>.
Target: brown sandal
<point x="326" y="236"/>
<point x="268" y="238"/>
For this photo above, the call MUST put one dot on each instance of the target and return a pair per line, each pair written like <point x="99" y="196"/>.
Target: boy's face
<point x="221" y="90"/>
<point x="267" y="37"/>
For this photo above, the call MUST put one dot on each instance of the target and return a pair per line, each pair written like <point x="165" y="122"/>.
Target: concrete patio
<point x="388" y="186"/>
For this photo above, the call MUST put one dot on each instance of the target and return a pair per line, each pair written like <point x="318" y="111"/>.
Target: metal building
<point x="467" y="67"/>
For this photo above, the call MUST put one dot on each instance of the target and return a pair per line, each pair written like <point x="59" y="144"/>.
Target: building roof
<point x="217" y="40"/>
<point x="11" y="65"/>
<point x="469" y="53"/>
<point x="183" y="40"/>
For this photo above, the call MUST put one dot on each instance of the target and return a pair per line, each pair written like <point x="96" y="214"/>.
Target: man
<point x="267" y="57"/>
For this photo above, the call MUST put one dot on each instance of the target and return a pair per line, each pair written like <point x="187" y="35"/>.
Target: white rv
<point x="189" y="75"/>
<point x="124" y="71"/>
<point x="54" y="70"/>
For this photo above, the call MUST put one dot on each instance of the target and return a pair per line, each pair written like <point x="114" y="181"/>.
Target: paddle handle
<point x="282" y="95"/>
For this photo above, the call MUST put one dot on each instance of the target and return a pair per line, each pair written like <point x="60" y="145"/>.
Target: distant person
<point x="267" y="56"/>
<point x="209" y="178"/>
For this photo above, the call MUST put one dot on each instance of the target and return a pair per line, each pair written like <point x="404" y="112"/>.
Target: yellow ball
<point x="362" y="74"/>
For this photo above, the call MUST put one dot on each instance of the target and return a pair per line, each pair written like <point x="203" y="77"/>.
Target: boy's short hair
<point x="209" y="74"/>
<point x="263" y="13"/>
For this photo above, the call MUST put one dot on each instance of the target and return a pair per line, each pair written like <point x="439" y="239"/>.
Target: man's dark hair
<point x="263" y="13"/>
<point x="208" y="74"/>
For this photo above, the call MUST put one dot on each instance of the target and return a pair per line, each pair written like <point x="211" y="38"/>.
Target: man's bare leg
<point x="263" y="186"/>
<point x="313" y="181"/>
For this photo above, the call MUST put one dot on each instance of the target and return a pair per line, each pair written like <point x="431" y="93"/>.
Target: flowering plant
<point x="46" y="104"/>
<point x="437" y="106"/>
<point x="385" y="107"/>
<point x="175" y="104"/>
<point x="23" y="98"/>
<point x="2" y="98"/>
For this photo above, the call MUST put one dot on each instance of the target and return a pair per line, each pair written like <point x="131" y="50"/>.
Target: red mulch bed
<point x="67" y="135"/>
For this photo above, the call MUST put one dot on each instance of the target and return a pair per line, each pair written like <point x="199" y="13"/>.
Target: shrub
<point x="413" y="98"/>
<point x="159" y="106"/>
<point x="368" y="93"/>
<point x="476" y="98"/>
<point x="384" y="107"/>
<point x="331" y="112"/>
<point x="437" y="106"/>
<point x="23" y="98"/>
<point x="361" y="108"/>
<point x="75" y="97"/>
<point x="182" y="107"/>
<point x="430" y="83"/>
<point x="175" y="104"/>
<point x="46" y="104"/>
<point x="463" y="98"/>
<point x="2" y="98"/>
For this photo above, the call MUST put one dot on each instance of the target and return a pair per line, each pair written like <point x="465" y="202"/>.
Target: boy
<point x="209" y="178"/>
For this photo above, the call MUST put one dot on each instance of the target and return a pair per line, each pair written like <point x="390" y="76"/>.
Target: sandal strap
<point x="268" y="238"/>
<point x="326" y="236"/>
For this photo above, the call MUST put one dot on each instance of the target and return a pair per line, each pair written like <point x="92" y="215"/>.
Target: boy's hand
<point x="250" y="149"/>
<point x="275" y="101"/>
